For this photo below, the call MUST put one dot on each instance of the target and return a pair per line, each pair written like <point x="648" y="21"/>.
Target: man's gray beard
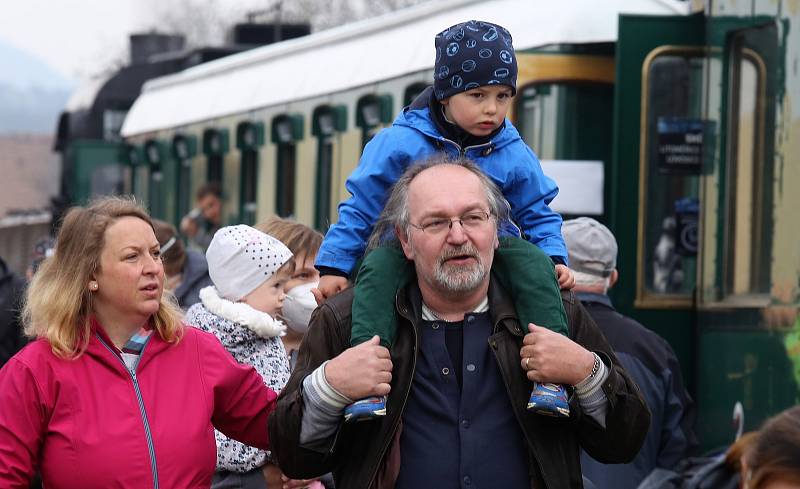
<point x="451" y="278"/>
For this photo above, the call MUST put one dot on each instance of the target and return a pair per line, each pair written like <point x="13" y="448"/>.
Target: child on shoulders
<point x="463" y="114"/>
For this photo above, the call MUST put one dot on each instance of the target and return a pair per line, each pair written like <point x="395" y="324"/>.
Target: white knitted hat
<point x="241" y="258"/>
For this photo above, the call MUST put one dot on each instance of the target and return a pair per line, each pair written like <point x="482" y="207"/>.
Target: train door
<point x="747" y="273"/>
<point x="698" y="219"/>
<point x="654" y="178"/>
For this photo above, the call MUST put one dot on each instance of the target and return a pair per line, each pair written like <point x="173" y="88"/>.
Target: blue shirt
<point x="460" y="438"/>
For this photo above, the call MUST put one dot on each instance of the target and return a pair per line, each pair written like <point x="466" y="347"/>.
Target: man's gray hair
<point x="395" y="213"/>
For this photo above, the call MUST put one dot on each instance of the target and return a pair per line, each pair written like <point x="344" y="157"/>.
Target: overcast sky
<point x="74" y="37"/>
<point x="79" y="38"/>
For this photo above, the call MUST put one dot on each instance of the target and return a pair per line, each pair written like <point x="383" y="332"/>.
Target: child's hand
<point x="566" y="279"/>
<point x="329" y="285"/>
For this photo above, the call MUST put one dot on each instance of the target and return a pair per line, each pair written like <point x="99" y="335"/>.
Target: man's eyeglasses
<point x="470" y="221"/>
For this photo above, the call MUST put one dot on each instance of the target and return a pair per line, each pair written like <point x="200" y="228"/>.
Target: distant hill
<point x="31" y="93"/>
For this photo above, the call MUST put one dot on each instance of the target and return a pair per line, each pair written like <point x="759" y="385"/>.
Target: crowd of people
<point x="418" y="344"/>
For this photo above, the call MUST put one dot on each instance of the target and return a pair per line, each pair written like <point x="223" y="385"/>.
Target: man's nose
<point x="491" y="106"/>
<point x="456" y="232"/>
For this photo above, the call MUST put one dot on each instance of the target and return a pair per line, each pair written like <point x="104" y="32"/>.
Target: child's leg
<point x="382" y="273"/>
<point x="528" y="275"/>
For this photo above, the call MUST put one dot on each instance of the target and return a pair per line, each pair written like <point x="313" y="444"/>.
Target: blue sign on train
<point x="680" y="145"/>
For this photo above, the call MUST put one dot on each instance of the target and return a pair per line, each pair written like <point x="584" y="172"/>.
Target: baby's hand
<point x="329" y="285"/>
<point x="566" y="279"/>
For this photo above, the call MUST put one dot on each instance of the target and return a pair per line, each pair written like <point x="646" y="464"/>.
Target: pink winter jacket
<point x="89" y="423"/>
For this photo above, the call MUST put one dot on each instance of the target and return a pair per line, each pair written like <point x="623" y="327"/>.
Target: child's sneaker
<point x="365" y="409"/>
<point x="549" y="399"/>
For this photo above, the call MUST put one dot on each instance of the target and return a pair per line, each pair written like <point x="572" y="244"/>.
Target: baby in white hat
<point x="249" y="270"/>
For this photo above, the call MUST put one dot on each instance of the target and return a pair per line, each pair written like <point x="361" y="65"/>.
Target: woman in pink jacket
<point x="116" y="391"/>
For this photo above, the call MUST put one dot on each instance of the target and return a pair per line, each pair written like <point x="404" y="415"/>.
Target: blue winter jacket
<point x="506" y="159"/>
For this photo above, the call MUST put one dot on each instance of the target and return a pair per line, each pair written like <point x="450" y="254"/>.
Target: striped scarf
<point x="135" y="345"/>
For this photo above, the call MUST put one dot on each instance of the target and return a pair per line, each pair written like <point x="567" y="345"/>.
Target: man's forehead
<point x="443" y="188"/>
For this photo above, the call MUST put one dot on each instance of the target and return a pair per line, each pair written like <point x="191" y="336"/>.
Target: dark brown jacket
<point x="367" y="455"/>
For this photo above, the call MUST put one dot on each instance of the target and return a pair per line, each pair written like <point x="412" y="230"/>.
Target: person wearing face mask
<point x="304" y="243"/>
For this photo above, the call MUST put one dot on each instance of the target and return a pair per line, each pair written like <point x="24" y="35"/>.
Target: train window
<point x="746" y="253"/>
<point x="112" y="124"/>
<point x="154" y="155"/>
<point x="671" y="160"/>
<point x="286" y="131"/>
<point x="215" y="146"/>
<point x="567" y="121"/>
<point x="327" y="121"/>
<point x="371" y="112"/>
<point x="139" y="171"/>
<point x="184" y="148"/>
<point x="249" y="138"/>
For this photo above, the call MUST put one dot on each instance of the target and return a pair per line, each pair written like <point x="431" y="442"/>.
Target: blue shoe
<point x="549" y="399"/>
<point x="365" y="409"/>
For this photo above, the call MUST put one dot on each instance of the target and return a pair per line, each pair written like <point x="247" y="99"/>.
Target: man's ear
<point x="408" y="250"/>
<point x="612" y="279"/>
<point x="496" y="242"/>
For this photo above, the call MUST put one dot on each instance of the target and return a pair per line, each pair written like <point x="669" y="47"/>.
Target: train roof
<point x="366" y="52"/>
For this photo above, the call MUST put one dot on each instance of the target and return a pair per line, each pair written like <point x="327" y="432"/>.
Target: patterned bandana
<point x="471" y="55"/>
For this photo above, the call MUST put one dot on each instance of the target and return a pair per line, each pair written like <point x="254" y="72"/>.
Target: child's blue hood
<point x="417" y="116"/>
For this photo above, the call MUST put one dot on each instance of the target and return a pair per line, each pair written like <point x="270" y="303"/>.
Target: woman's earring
<point x="93" y="286"/>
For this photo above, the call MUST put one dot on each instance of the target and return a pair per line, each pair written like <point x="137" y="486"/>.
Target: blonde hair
<point x="58" y="304"/>
<point x="299" y="238"/>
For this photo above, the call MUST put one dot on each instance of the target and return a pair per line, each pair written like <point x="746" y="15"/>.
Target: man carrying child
<point x="460" y="366"/>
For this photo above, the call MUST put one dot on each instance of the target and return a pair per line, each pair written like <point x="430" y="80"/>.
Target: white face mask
<point x="298" y="306"/>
